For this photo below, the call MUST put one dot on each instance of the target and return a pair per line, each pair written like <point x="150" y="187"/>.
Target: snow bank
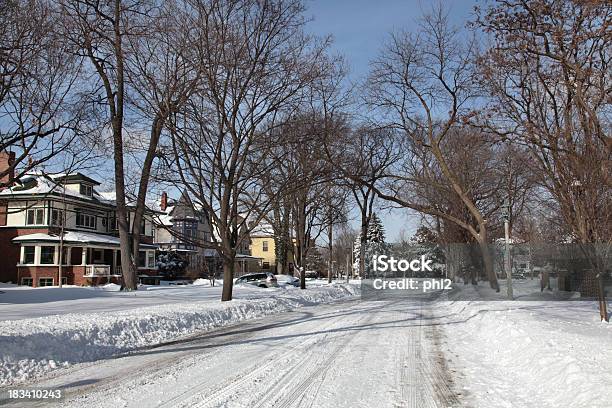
<point x="31" y="347"/>
<point x="111" y="287"/>
<point x="201" y="282"/>
<point x="529" y="353"/>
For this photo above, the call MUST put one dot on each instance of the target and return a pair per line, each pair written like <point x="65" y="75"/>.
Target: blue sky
<point x="358" y="28"/>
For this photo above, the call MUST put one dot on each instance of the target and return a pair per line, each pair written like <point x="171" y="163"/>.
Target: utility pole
<point x="507" y="264"/>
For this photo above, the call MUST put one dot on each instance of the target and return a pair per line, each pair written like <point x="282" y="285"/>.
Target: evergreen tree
<point x="314" y="261"/>
<point x="375" y="245"/>
<point x="425" y="243"/>
<point x="170" y="265"/>
<point x="376" y="237"/>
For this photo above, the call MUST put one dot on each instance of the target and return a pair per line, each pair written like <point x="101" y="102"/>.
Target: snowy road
<point x="348" y="354"/>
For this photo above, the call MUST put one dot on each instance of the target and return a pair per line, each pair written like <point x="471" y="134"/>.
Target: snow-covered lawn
<point x="528" y="353"/>
<point x="45" y="328"/>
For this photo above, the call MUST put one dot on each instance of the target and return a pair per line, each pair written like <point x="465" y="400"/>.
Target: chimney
<point x="7" y="171"/>
<point x="164" y="201"/>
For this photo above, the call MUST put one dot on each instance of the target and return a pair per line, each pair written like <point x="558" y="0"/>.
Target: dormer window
<point x="86" y="190"/>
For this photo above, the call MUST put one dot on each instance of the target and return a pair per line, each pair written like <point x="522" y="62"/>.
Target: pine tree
<point x="425" y="243"/>
<point x="376" y="237"/>
<point x="375" y="245"/>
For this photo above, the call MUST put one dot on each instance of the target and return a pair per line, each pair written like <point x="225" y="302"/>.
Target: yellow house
<point x="262" y="246"/>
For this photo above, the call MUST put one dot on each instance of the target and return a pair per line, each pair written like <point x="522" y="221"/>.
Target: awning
<point x="76" y="238"/>
<point x="243" y="257"/>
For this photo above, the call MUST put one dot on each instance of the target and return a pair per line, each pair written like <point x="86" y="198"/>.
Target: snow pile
<point x="207" y="282"/>
<point x="30" y="347"/>
<point x="201" y="282"/>
<point x="530" y="353"/>
<point x="111" y="287"/>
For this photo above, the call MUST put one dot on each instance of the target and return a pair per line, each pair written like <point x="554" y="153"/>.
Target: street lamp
<point x="506" y="217"/>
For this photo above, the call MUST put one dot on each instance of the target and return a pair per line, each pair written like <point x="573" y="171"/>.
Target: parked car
<point x="287" y="280"/>
<point x="262" y="280"/>
<point x="313" y="275"/>
<point x="293" y="281"/>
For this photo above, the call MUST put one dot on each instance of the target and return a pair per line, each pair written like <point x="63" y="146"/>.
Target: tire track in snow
<point x="222" y="395"/>
<point x="298" y="385"/>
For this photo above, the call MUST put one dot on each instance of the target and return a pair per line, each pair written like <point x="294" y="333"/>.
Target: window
<point x="64" y="280"/>
<point x="143" y="227"/>
<point x="86" y="220"/>
<point x="28" y="254"/>
<point x="151" y="259"/>
<point x="27" y="281"/>
<point x="265" y="266"/>
<point x="57" y="217"/>
<point x="45" y="281"/>
<point x="264" y="246"/>
<point x="98" y="256"/>
<point x="47" y="255"/>
<point x="35" y="216"/>
<point x="86" y="190"/>
<point x="141" y="259"/>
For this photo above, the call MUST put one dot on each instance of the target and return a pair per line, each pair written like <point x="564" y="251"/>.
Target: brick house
<point x="35" y="211"/>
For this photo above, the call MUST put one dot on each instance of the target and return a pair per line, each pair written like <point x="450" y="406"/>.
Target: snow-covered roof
<point x="111" y="198"/>
<point x="39" y="184"/>
<point x="263" y="229"/>
<point x="164" y="219"/>
<point x="246" y="257"/>
<point x="74" y="237"/>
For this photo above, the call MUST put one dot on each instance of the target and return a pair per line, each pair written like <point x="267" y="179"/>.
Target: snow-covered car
<point x="262" y="280"/>
<point x="288" y="280"/>
<point x="313" y="275"/>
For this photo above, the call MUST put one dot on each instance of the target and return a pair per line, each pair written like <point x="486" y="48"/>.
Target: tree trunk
<point x="488" y="262"/>
<point x="228" y="279"/>
<point x="128" y="270"/>
<point x="330" y="232"/>
<point x="362" y="247"/>
<point x="302" y="269"/>
<point x="156" y="129"/>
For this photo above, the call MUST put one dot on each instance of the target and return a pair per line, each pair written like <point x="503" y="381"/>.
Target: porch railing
<point x="93" y="271"/>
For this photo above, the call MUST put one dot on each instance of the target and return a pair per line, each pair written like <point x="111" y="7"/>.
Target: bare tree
<point x="423" y="86"/>
<point x="162" y="72"/>
<point x="367" y="154"/>
<point x="139" y="52"/>
<point x="41" y="103"/>
<point x="256" y="65"/>
<point x="335" y="200"/>
<point x="490" y="172"/>
<point x="305" y="159"/>
<point x="99" y="29"/>
<point x="548" y="72"/>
